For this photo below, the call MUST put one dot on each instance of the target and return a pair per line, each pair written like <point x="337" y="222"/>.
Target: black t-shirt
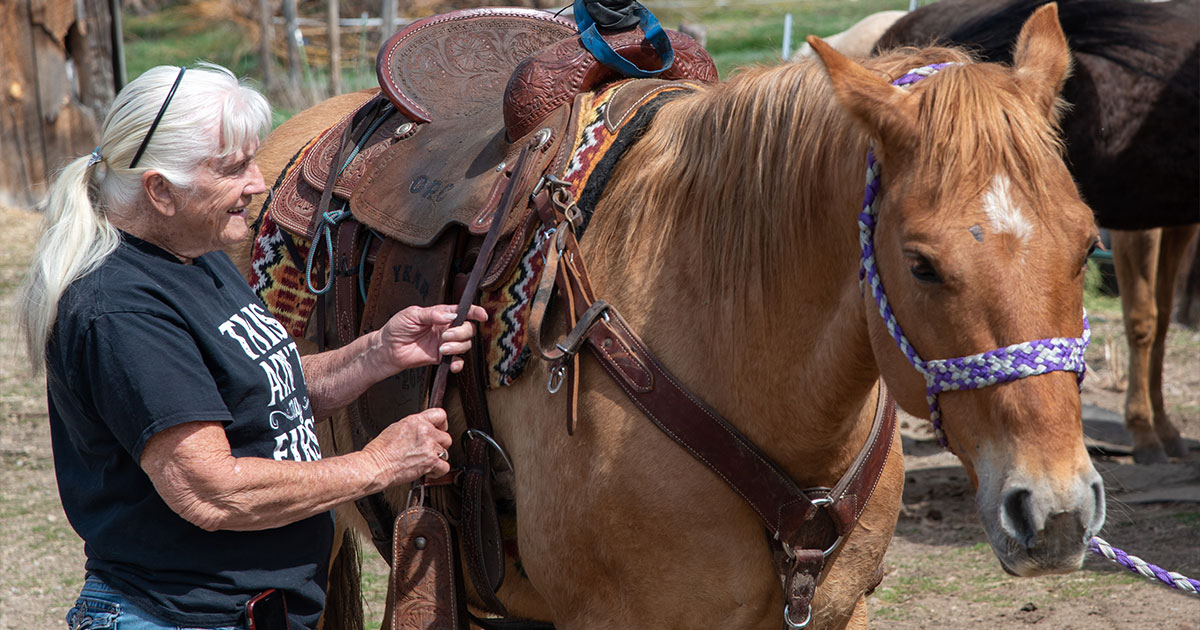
<point x="144" y="343"/>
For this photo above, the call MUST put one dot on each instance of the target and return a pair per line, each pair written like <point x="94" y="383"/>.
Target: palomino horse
<point x="858" y="40"/>
<point x="1133" y="145"/>
<point x="728" y="240"/>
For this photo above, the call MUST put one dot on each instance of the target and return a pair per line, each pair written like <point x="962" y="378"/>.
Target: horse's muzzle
<point x="1035" y="530"/>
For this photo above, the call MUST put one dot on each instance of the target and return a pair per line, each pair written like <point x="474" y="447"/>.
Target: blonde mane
<point x="747" y="170"/>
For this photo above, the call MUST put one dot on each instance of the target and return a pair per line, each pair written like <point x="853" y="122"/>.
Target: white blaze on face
<point x="1002" y="211"/>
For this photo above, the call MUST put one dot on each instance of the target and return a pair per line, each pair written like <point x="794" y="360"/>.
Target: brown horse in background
<point x="1133" y="146"/>
<point x="727" y="238"/>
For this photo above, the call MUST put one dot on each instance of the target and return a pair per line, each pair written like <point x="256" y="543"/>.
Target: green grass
<point x="174" y="36"/>
<point x="1191" y="519"/>
<point x="1095" y="299"/>
<point x="742" y="35"/>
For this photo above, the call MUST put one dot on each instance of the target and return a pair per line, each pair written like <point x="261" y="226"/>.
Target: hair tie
<point x="95" y="157"/>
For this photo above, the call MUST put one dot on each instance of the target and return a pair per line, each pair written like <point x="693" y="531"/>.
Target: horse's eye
<point x="923" y="270"/>
<point x="1091" y="250"/>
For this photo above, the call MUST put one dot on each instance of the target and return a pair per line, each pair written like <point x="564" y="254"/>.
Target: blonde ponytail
<point x="76" y="238"/>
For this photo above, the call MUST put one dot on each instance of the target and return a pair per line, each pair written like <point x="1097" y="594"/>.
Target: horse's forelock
<point x="977" y="123"/>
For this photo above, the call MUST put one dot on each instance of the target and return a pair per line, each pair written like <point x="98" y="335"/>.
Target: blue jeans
<point x="99" y="607"/>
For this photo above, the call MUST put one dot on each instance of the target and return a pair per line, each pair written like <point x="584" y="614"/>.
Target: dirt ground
<point x="940" y="570"/>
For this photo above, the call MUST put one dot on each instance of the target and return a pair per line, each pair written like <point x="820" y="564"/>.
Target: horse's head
<point x="980" y="244"/>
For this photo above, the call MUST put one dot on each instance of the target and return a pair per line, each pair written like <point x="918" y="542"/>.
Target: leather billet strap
<point x="479" y="525"/>
<point x="805" y="526"/>
<point x="481" y="264"/>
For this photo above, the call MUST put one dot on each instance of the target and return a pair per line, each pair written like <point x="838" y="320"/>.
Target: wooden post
<point x="388" y="16"/>
<point x="335" y="50"/>
<point x="118" y="47"/>
<point x="266" y="40"/>
<point x="292" y="27"/>
<point x="56" y="81"/>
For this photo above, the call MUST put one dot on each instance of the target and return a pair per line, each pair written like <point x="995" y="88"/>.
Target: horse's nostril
<point x="1098" y="512"/>
<point x="1019" y="518"/>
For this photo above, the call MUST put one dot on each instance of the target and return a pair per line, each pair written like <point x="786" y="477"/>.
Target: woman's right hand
<point x="411" y="448"/>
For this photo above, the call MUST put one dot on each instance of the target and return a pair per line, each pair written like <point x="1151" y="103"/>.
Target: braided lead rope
<point x="1143" y="568"/>
<point x="963" y="373"/>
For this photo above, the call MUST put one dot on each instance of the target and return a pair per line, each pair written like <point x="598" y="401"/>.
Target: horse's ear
<point x="888" y="111"/>
<point x="1041" y="58"/>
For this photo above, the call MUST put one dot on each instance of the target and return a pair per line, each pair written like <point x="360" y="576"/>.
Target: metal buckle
<point x="787" y="617"/>
<point x="477" y="433"/>
<point x="557" y="376"/>
<point x="565" y="203"/>
<point x="420" y="497"/>
<point x="550" y="181"/>
<point x="791" y="552"/>
<point x="822" y="502"/>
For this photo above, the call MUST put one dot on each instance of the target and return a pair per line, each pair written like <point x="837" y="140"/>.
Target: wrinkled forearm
<point x="251" y="493"/>
<point x="336" y="377"/>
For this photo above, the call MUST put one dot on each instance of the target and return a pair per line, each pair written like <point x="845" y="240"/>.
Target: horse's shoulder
<point x="324" y="114"/>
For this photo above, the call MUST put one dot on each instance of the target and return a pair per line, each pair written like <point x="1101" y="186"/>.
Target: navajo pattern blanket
<point x="277" y="265"/>
<point x="594" y="156"/>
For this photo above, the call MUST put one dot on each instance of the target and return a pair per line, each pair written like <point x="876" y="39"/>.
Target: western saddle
<point x="429" y="192"/>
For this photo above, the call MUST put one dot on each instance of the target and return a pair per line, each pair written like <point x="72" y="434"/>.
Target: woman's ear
<point x="158" y="191"/>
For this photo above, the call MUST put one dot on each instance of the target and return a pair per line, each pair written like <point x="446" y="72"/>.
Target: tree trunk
<point x="58" y="77"/>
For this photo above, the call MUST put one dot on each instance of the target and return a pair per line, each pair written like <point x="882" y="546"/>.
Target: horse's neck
<point x="782" y="352"/>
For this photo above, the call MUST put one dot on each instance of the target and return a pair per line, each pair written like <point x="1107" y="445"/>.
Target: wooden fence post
<point x="387" y="25"/>
<point x="292" y="27"/>
<point x="335" y="49"/>
<point x="266" y="40"/>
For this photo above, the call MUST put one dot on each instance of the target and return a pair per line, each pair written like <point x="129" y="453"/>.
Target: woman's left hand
<point x="421" y="335"/>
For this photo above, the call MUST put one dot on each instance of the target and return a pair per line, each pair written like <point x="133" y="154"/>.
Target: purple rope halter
<point x="989" y="368"/>
<point x="971" y="372"/>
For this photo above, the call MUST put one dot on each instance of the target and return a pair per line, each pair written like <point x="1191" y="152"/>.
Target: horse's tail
<point x="343" y="598"/>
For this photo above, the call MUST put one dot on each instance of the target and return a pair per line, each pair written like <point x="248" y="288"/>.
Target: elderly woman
<point x="181" y="412"/>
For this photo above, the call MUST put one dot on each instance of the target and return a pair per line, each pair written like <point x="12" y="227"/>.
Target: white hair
<point x="211" y="115"/>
